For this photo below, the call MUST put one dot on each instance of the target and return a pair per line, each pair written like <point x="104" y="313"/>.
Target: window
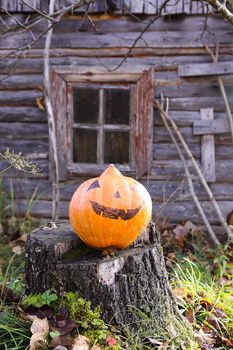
<point x="103" y="117"/>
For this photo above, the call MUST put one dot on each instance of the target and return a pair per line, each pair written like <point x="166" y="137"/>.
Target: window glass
<point x="116" y="106"/>
<point x="84" y="146"/>
<point x="86" y="105"/>
<point x="116" y="147"/>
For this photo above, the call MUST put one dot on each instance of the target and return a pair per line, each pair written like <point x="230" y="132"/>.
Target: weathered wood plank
<point x="184" y="119"/>
<point x="196" y="103"/>
<point x="35" y="64"/>
<point x="19" y="98"/>
<point x="134" y="6"/>
<point x="111" y="23"/>
<point x="168" y="151"/>
<point x="188" y="211"/>
<point x="95" y="40"/>
<point x="213" y="127"/>
<point x="29" y="148"/>
<point x="190" y="70"/>
<point x="22" y="114"/>
<point x="21" y="82"/>
<point x="173" y="170"/>
<point x="60" y="103"/>
<point x="25" y="131"/>
<point x="208" y="148"/>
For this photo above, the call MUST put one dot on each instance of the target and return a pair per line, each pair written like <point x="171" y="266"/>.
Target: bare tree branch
<point x="189" y="179"/>
<point x="51" y="120"/>
<point x="196" y="167"/>
<point x="221" y="8"/>
<point x="222" y="88"/>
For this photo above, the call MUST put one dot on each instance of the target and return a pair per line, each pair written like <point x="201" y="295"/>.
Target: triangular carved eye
<point x="95" y="184"/>
<point x="117" y="194"/>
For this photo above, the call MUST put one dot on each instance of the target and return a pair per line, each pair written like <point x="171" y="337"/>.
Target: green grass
<point x="14" y="333"/>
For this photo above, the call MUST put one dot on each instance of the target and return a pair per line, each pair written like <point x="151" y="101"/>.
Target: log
<point x="133" y="278"/>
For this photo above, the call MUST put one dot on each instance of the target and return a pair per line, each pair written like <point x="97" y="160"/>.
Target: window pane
<point x="116" y="147"/>
<point x="84" y="146"/>
<point x="86" y="105"/>
<point x="117" y="106"/>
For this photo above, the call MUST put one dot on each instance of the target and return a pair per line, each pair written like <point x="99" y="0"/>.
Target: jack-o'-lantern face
<point x="111" y="210"/>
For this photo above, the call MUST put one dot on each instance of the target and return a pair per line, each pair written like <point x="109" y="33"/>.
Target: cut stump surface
<point x="133" y="279"/>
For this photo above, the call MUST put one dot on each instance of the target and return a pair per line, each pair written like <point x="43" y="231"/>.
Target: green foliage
<point x="14" y="333"/>
<point x="206" y="300"/>
<point x="39" y="300"/>
<point x="91" y="324"/>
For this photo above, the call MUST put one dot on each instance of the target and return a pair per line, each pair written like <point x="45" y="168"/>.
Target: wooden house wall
<point x="168" y="43"/>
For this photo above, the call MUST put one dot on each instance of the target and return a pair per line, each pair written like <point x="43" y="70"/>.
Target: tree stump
<point x="134" y="277"/>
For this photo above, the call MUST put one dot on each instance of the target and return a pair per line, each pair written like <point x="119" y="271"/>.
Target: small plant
<point x="206" y="303"/>
<point x="71" y="315"/>
<point x="18" y="161"/>
<point x="39" y="300"/>
<point x="14" y="332"/>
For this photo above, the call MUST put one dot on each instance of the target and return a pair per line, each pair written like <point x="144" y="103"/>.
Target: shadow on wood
<point x="132" y="281"/>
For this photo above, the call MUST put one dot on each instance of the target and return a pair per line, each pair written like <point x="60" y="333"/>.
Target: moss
<point x="82" y="251"/>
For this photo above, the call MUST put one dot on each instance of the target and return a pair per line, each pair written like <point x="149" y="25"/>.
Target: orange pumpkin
<point x="110" y="210"/>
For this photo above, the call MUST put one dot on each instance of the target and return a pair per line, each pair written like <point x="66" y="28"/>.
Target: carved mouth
<point x="112" y="213"/>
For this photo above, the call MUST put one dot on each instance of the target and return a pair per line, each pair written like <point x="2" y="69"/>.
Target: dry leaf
<point x="17" y="250"/>
<point x="61" y="340"/>
<point x="41" y="103"/>
<point x="180" y="234"/>
<point x="190" y="315"/>
<point x="23" y="237"/>
<point x="81" y="343"/>
<point x="40" y="326"/>
<point x="95" y="347"/>
<point x="190" y="227"/>
<point x="37" y="341"/>
<point x="40" y="330"/>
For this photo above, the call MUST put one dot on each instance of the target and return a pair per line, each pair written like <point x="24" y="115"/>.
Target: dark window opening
<point x="101" y="125"/>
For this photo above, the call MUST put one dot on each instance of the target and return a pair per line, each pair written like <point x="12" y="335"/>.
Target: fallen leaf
<point x="180" y="234"/>
<point x="18" y="250"/>
<point x="40" y="326"/>
<point x="95" y="347"/>
<point x="190" y="227"/>
<point x="63" y="326"/>
<point x="80" y="343"/>
<point x="41" y="103"/>
<point x="37" y="341"/>
<point x="61" y="340"/>
<point x="206" y="304"/>
<point x="180" y="292"/>
<point x="190" y="315"/>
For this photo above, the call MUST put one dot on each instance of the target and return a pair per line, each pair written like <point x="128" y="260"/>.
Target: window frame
<point x="140" y="78"/>
<point x="101" y="127"/>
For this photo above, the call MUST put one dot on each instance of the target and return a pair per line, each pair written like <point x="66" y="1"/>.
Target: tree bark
<point x="132" y="281"/>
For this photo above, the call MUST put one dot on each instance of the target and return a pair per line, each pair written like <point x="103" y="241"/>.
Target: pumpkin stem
<point x="111" y="170"/>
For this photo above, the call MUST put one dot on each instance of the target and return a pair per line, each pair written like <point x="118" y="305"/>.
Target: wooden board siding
<point x="134" y="6"/>
<point x="23" y="127"/>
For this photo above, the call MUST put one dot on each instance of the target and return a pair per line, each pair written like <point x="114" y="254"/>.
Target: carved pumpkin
<point x="110" y="210"/>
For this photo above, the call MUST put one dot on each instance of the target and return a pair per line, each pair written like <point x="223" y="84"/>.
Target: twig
<point x="221" y="8"/>
<point x="51" y="119"/>
<point x="222" y="88"/>
<point x="189" y="179"/>
<point x="43" y="14"/>
<point x="197" y="168"/>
